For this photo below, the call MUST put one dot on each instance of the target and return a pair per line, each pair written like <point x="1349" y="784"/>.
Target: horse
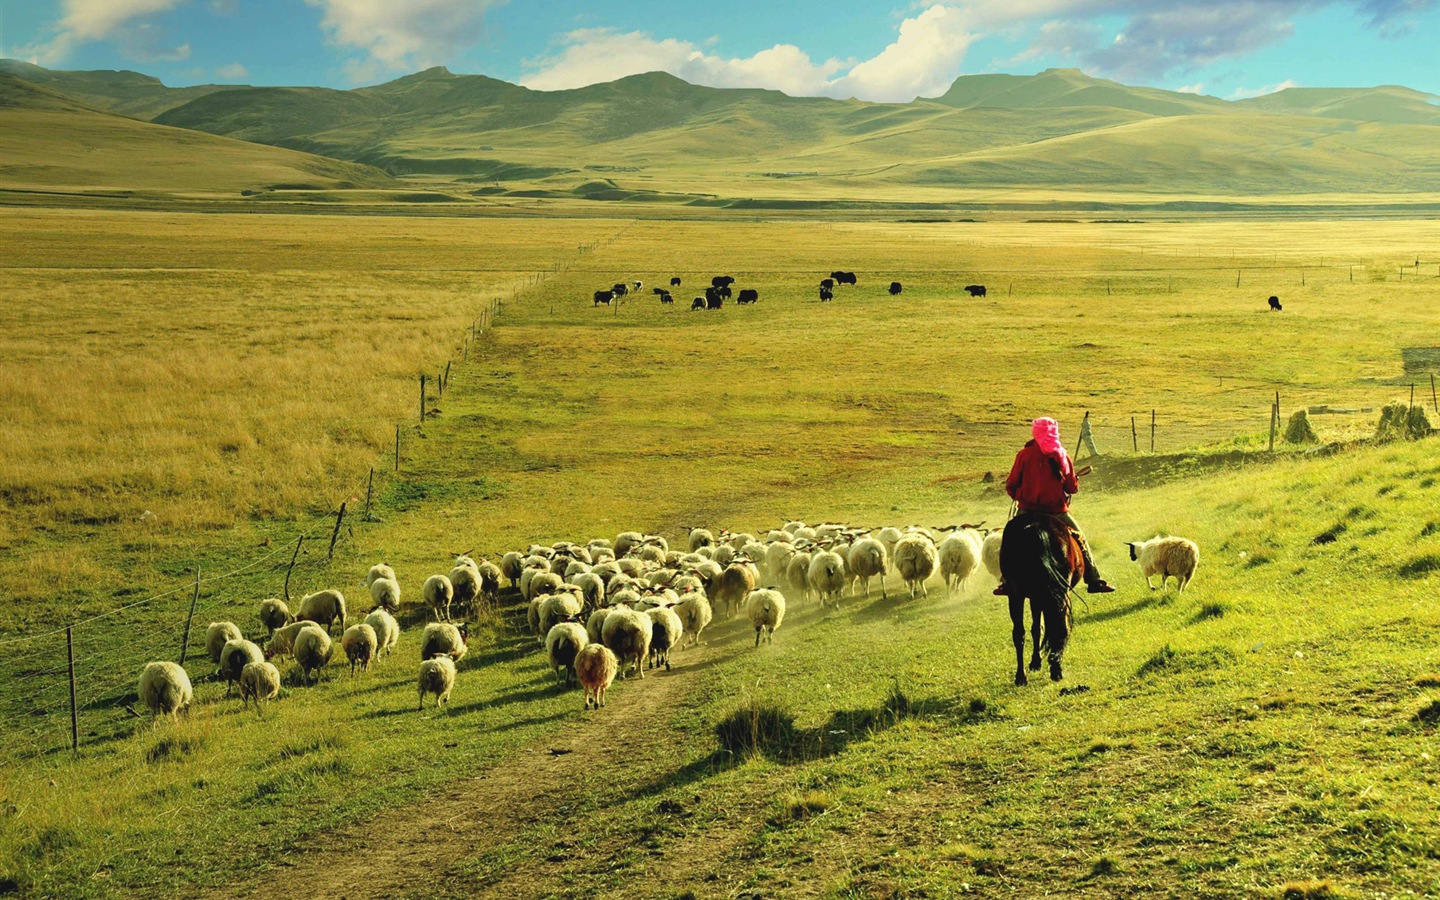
<point x="1040" y="560"/>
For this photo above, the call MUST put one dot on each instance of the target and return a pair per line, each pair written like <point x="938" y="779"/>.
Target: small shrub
<point x="1104" y="866"/>
<point x="1310" y="889"/>
<point x="797" y="807"/>
<point x="1298" y="431"/>
<point x="898" y="704"/>
<point x="755" y="728"/>
<point x="984" y="862"/>
<point x="172" y="747"/>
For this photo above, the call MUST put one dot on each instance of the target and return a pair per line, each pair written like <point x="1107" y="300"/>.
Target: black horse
<point x="1040" y="560"/>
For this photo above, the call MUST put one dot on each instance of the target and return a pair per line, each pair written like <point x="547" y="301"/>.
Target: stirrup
<point x="1001" y="590"/>
<point x="1100" y="588"/>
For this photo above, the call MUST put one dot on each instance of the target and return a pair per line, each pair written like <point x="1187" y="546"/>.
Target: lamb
<point x="438" y="593"/>
<point x="437" y="676"/>
<point x="596" y="666"/>
<point x="465" y="583"/>
<point x="766" y="610"/>
<point x="234" y="657"/>
<point x="387" y="631"/>
<point x="360" y="644"/>
<point x="1166" y="556"/>
<point x="259" y="681"/>
<point x="668" y="630"/>
<point x="385" y="594"/>
<point x="312" y="650"/>
<point x="562" y="644"/>
<point x="798" y="574"/>
<point x="695" y="613"/>
<point x="990" y="552"/>
<point x="444" y="639"/>
<point x="867" y="560"/>
<point x="959" y="558"/>
<point x="826" y="576"/>
<point x="282" y="642"/>
<point x="165" y="689"/>
<point x="323" y="608"/>
<point x="915" y="560"/>
<point x="379" y="571"/>
<point x="217" y="635"/>
<point x="731" y="587"/>
<point x="274" y="614"/>
<point x="627" y="634"/>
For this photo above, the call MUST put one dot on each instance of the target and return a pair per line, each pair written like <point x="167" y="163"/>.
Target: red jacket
<point x="1039" y="482"/>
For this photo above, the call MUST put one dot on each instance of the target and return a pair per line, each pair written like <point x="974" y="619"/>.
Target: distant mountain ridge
<point x="654" y="132"/>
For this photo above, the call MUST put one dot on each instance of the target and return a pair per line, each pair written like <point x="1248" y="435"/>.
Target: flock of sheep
<point x="721" y="289"/>
<point x="604" y="608"/>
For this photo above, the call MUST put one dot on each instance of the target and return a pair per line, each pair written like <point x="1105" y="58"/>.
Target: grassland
<point x="1259" y="730"/>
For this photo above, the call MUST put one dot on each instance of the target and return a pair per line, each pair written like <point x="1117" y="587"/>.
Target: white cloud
<point x="232" y="72"/>
<point x="923" y="60"/>
<point x="1196" y="88"/>
<point x="404" y="35"/>
<point x="1247" y="93"/>
<point x="87" y="21"/>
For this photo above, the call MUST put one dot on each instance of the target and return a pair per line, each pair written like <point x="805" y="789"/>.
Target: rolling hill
<point x="55" y="143"/>
<point x="654" y="136"/>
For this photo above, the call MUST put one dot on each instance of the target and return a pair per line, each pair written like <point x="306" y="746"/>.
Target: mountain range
<point x="655" y="137"/>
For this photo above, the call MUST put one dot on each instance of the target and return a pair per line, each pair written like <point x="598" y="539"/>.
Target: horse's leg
<point x="1035" y="624"/>
<point x="1017" y="634"/>
<point x="1057" y="633"/>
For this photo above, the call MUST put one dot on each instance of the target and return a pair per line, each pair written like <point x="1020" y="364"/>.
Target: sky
<point x="882" y="51"/>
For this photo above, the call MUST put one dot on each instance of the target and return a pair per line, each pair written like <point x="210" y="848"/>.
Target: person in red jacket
<point x="1042" y="481"/>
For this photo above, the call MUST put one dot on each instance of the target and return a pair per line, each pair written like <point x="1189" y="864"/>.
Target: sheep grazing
<point x="990" y="552"/>
<point x="312" y="651"/>
<point x="444" y="639"/>
<point x="465" y="583"/>
<point x="217" y="635"/>
<point x="234" y="657"/>
<point x="259" y="681"/>
<point x="511" y="565"/>
<point x="562" y="644"/>
<point x="438" y="593"/>
<point x="766" y="610"/>
<point x="731" y="587"/>
<point x="282" y="642"/>
<point x="675" y="281"/>
<point x="437" y="676"/>
<point x="379" y="571"/>
<point x="360" y="644"/>
<point x="385" y="594"/>
<point x="165" y="689"/>
<point x="387" y="631"/>
<point x="826" y="576"/>
<point x="595" y="666"/>
<point x="1166" y="557"/>
<point x="959" y="558"/>
<point x="668" y="630"/>
<point x="895" y="288"/>
<point x="797" y="573"/>
<point x="274" y="614"/>
<point x="627" y="634"/>
<point x="324" y="608"/>
<point x="915" y="560"/>
<point x="695" y="613"/>
<point x="867" y="560"/>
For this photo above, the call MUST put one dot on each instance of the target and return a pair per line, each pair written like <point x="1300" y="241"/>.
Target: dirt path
<point x="401" y="850"/>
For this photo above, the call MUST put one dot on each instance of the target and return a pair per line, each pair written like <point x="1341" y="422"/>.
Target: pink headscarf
<point x="1046" y="432"/>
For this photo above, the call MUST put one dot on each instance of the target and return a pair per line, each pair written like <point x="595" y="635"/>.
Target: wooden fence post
<point x="1152" y="431"/>
<point x="397" y="448"/>
<point x="1078" y="440"/>
<point x="1237" y="278"/>
<point x="335" y="535"/>
<point x="185" y="638"/>
<point x="294" y="556"/>
<point x="1274" y="417"/>
<point x="369" y="486"/>
<point x="1412" y="395"/>
<point x="74" y="710"/>
<point x="422" y="399"/>
<point x="1435" y="403"/>
<point x="1134" y="436"/>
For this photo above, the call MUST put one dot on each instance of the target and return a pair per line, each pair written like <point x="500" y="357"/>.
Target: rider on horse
<point x="1041" y="481"/>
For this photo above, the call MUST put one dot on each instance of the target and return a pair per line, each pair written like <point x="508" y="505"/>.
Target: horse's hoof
<point x="1020" y="679"/>
<point x="1055" y="674"/>
<point x="1034" y="665"/>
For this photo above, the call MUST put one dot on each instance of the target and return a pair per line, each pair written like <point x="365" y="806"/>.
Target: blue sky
<point x="876" y="51"/>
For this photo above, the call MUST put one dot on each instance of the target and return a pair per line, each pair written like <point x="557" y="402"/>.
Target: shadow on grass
<point x="1119" y="612"/>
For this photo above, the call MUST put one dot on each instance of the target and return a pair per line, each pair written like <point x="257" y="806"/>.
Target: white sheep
<point x="562" y="644"/>
<point x="385" y="594"/>
<point x="438" y="593"/>
<point x="667" y="632"/>
<point x="165" y="689"/>
<point x="626" y="540"/>
<point x="959" y="558"/>
<point x="437" y="676"/>
<point x="217" y="635"/>
<point x="695" y="613"/>
<point x="234" y="657"/>
<point x="259" y="681"/>
<point x="1166" y="556"/>
<point x="798" y="574"/>
<point x="377" y="572"/>
<point x="915" y="560"/>
<point x="511" y="565"/>
<point x="556" y="608"/>
<point x="465" y="584"/>
<point x="730" y="587"/>
<point x="282" y="642"/>
<point x="489" y="579"/>
<point x="274" y="614"/>
<point x="990" y="552"/>
<point x="869" y="559"/>
<point x="312" y="650"/>
<point x="700" y="537"/>
<point x="324" y="608"/>
<point x="826" y="576"/>
<point x="592" y="588"/>
<point x="596" y="623"/>
<point x="360" y="644"/>
<point x="777" y="559"/>
<point x="627" y="634"/>
<point x="387" y="631"/>
<point x="596" y="666"/>
<point x="766" y="610"/>
<point x="543" y="583"/>
<point x="444" y="639"/>
<point x="889" y="536"/>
